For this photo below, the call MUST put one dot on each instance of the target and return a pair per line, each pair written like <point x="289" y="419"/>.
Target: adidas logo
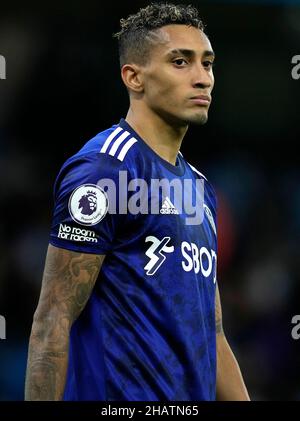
<point x="168" y="208"/>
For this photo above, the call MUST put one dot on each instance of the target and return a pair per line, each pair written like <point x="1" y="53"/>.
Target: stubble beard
<point x="198" y="119"/>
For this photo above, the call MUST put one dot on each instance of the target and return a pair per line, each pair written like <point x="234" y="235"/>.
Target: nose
<point x="202" y="77"/>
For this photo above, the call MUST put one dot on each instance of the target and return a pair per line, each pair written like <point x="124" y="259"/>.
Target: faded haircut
<point x="138" y="31"/>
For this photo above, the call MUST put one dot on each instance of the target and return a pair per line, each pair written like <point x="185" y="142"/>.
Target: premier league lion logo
<point x="88" y="203"/>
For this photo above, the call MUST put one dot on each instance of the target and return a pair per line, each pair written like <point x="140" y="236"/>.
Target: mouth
<point x="201" y="100"/>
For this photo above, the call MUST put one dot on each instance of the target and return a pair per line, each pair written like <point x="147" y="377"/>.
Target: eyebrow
<point x="190" y="53"/>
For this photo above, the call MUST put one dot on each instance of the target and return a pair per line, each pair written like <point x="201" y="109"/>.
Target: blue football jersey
<point x="147" y="332"/>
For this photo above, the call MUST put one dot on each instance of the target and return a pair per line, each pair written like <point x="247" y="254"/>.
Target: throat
<point x="163" y="139"/>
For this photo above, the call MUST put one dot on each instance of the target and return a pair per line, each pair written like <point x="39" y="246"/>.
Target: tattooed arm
<point x="230" y="383"/>
<point x="68" y="280"/>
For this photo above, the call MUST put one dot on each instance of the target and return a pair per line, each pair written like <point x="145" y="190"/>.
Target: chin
<point x="198" y="119"/>
<point x="184" y="120"/>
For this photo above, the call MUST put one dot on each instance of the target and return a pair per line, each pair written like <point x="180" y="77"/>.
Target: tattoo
<point x="218" y="314"/>
<point x="68" y="280"/>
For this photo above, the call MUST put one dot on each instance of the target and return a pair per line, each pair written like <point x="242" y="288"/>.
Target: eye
<point x="208" y="64"/>
<point x="180" y="62"/>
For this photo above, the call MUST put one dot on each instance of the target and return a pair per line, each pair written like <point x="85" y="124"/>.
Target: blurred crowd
<point x="63" y="87"/>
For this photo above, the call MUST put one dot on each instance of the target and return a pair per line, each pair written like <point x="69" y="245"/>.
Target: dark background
<point x="63" y="86"/>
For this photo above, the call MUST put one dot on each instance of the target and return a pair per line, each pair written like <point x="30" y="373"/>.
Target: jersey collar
<point x="177" y="169"/>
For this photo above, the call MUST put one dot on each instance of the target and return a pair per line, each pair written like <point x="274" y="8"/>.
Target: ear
<point x="132" y="77"/>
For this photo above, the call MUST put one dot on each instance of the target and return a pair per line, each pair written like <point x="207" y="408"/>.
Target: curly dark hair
<point x="135" y="37"/>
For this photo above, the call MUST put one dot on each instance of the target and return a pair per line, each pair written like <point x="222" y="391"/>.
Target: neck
<point x="165" y="139"/>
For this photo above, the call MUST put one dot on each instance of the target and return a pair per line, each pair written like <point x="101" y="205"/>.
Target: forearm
<point x="47" y="364"/>
<point x="68" y="280"/>
<point x="230" y="383"/>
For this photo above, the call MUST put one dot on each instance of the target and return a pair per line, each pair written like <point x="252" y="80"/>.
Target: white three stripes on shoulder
<point x="116" y="141"/>
<point x="109" y="139"/>
<point x="126" y="148"/>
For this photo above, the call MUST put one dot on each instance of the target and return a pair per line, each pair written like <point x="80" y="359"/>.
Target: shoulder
<point x="191" y="167"/>
<point x="210" y="192"/>
<point x="195" y="171"/>
<point x="117" y="142"/>
<point x="103" y="156"/>
<point x="112" y="144"/>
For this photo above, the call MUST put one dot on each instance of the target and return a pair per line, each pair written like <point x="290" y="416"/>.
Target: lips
<point x="201" y="99"/>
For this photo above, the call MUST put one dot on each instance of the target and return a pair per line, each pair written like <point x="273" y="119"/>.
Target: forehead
<point x="171" y="37"/>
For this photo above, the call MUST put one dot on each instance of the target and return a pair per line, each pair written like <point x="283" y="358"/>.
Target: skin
<point x="68" y="280"/>
<point x="230" y="383"/>
<point x="160" y="111"/>
<point x="179" y="68"/>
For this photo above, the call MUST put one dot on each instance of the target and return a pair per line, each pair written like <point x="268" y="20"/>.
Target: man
<point x="129" y="306"/>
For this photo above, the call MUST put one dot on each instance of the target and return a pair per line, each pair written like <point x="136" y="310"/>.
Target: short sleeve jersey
<point x="147" y="331"/>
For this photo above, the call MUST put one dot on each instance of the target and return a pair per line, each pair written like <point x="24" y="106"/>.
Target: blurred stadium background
<point x="63" y="87"/>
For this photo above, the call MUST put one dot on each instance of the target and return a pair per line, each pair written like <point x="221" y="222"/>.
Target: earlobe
<point x="132" y="77"/>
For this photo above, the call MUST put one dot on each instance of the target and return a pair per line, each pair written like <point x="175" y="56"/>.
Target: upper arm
<point x="218" y="313"/>
<point x="85" y="214"/>
<point x="68" y="280"/>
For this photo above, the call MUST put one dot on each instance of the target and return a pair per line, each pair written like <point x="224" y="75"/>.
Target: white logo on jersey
<point x="76" y="234"/>
<point x="155" y="253"/>
<point x="88" y="204"/>
<point x="199" y="259"/>
<point x="210" y="217"/>
<point x="168" y="207"/>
